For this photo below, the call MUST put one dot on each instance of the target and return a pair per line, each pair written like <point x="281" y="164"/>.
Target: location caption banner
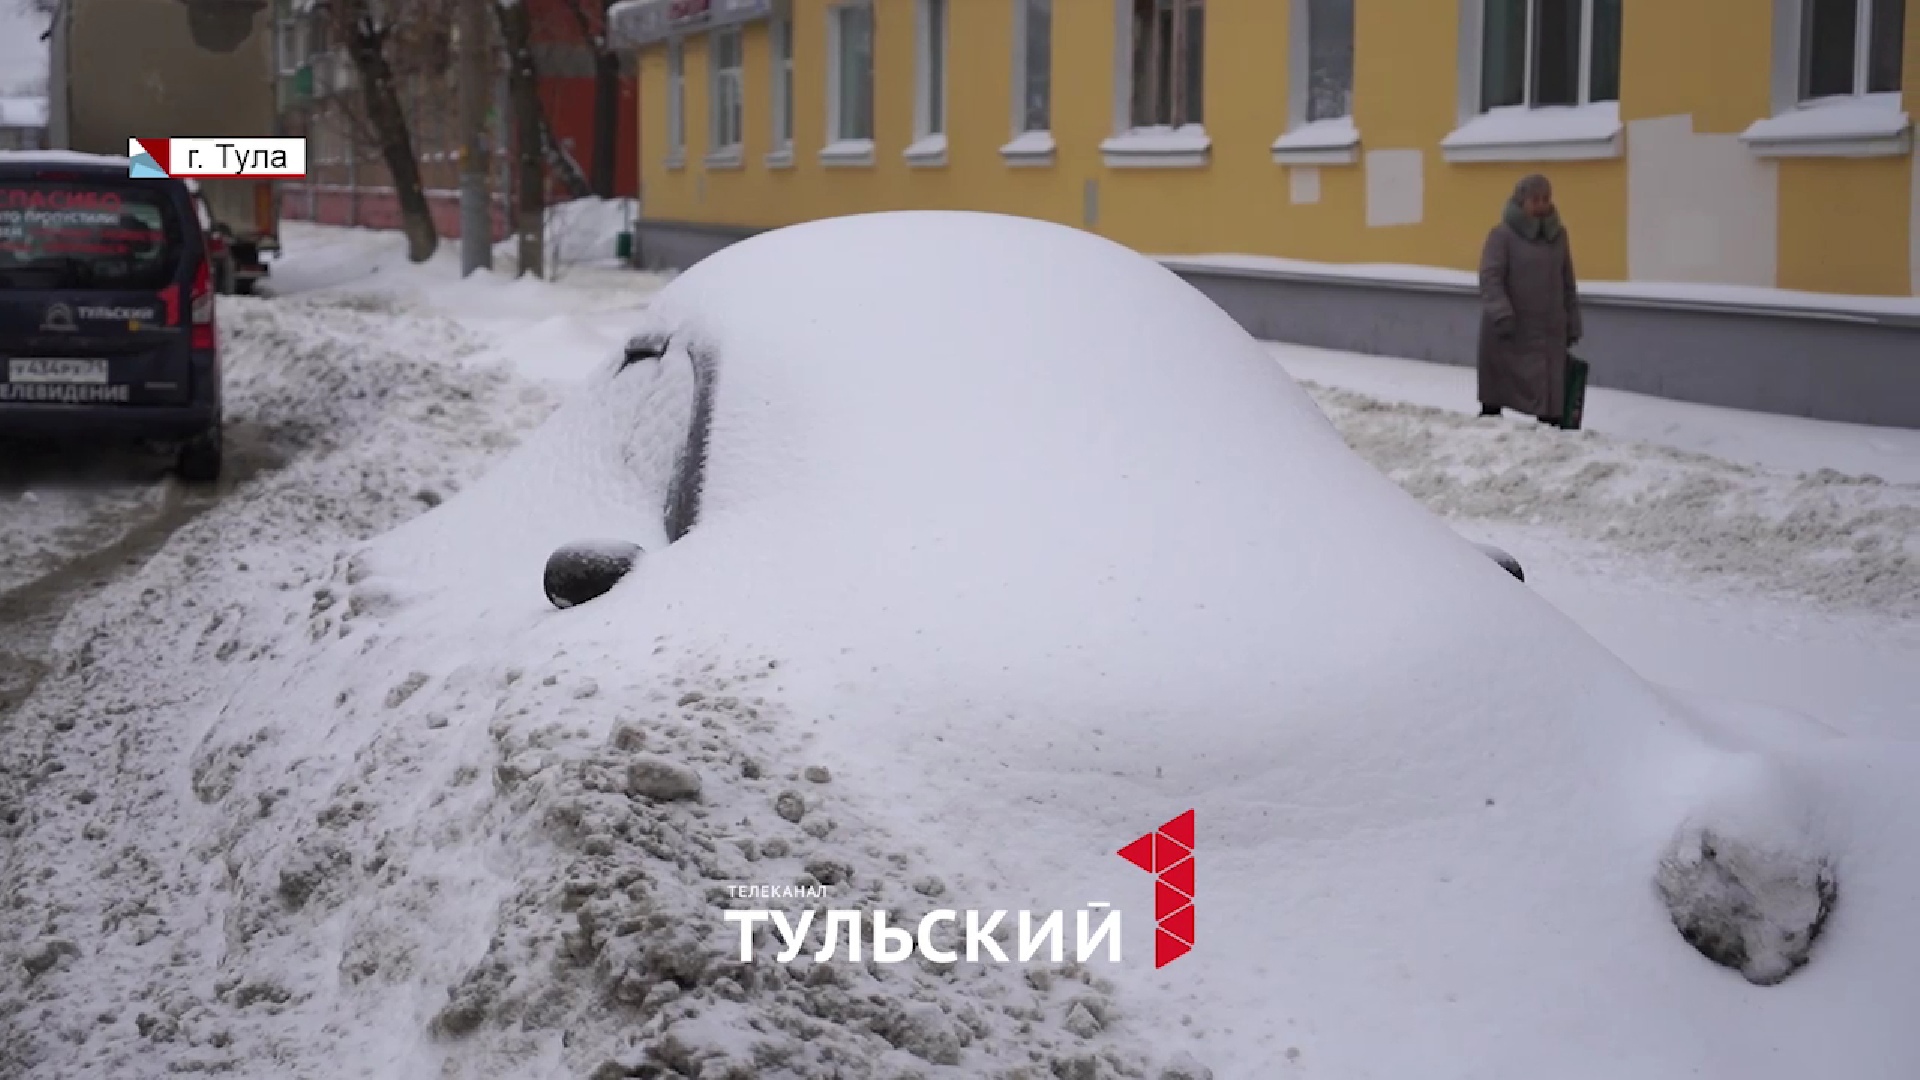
<point x="238" y="159"/>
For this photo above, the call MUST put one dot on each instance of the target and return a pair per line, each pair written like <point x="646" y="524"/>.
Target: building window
<point x="723" y="96"/>
<point x="931" y="70"/>
<point x="850" y="84"/>
<point x="293" y="43"/>
<point x="1168" y="63"/>
<point x="783" y="86"/>
<point x="1849" y="48"/>
<point x="1032" y="84"/>
<point x="1836" y="81"/>
<point x="929" y="84"/>
<point x="1320" y="128"/>
<point x="676" y="101"/>
<point x="1549" y="52"/>
<point x="1035" y="65"/>
<point x="1329" y="40"/>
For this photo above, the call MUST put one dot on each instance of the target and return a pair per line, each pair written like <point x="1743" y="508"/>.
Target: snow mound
<point x="105" y="770"/>
<point x="1845" y="541"/>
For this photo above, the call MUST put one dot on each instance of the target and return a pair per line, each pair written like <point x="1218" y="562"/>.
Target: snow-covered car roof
<point x="1027" y="547"/>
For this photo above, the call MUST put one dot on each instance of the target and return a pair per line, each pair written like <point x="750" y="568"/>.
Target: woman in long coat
<point x="1529" y="310"/>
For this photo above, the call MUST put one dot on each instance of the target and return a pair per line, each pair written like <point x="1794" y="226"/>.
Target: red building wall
<point x="569" y="105"/>
<point x="565" y="59"/>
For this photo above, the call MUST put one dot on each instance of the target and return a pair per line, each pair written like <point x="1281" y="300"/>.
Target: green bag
<point x="1576" y="397"/>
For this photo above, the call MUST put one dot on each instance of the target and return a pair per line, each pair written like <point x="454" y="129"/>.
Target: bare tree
<point x="374" y="32"/>
<point x="530" y="135"/>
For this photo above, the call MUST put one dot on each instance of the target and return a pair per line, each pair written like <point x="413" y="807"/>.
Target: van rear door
<point x="94" y="274"/>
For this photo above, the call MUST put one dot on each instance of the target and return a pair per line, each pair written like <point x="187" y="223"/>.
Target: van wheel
<point x="243" y="286"/>
<point x="199" y="460"/>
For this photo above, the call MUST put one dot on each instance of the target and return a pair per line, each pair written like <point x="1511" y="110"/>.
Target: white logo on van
<point x="119" y="314"/>
<point x="59" y="317"/>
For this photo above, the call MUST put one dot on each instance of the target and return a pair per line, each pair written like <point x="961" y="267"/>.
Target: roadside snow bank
<point x="1841" y="540"/>
<point x="114" y="858"/>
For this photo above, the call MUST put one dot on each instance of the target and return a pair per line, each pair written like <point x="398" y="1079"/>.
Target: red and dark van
<point x="107" y="325"/>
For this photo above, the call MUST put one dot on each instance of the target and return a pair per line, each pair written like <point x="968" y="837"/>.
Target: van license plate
<point x="55" y="369"/>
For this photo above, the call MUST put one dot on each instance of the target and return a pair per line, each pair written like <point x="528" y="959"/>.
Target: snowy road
<point x="1761" y="558"/>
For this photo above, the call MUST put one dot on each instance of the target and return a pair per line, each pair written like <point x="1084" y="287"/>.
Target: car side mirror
<point x="586" y="569"/>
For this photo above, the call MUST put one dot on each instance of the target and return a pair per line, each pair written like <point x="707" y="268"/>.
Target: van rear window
<point x="60" y="235"/>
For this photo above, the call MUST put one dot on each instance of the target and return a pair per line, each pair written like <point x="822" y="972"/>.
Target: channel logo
<point x="238" y="159"/>
<point x="1167" y="854"/>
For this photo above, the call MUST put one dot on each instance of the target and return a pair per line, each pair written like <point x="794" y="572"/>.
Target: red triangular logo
<point x="1140" y="853"/>
<point x="1179" y="924"/>
<point x="1180" y="875"/>
<point x="1167" y="900"/>
<point x="1167" y="949"/>
<point x="1180" y="830"/>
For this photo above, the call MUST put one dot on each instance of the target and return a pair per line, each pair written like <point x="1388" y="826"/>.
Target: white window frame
<point x="1856" y="125"/>
<point x="848" y="152"/>
<point x="1590" y="131"/>
<point x="726" y="91"/>
<point x="1030" y="146"/>
<point x="780" y="37"/>
<point x="1329" y="140"/>
<point x="931" y="24"/>
<point x="676" y="102"/>
<point x="1130" y="147"/>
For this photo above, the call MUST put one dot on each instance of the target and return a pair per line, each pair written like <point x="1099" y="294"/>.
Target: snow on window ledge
<point x="1029" y="148"/>
<point x="780" y="159"/>
<point x="847" y="153"/>
<point x="1872" y="125"/>
<point x="1547" y="133"/>
<point x="725" y="159"/>
<point x="677" y="159"/>
<point x="1323" y="142"/>
<point x="927" y="152"/>
<point x="1158" y="148"/>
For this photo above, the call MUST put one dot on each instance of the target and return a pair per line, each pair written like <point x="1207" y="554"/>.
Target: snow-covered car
<point x="974" y="548"/>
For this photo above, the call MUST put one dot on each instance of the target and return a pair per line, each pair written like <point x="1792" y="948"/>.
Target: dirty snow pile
<point x="106" y="862"/>
<point x="982" y="586"/>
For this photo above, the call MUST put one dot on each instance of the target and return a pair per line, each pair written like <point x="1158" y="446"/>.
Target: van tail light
<point x="263" y="223"/>
<point x="202" y="302"/>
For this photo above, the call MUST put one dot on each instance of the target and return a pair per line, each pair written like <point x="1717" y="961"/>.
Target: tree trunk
<point x="606" y="117"/>
<point x="529" y="134"/>
<point x="366" y="46"/>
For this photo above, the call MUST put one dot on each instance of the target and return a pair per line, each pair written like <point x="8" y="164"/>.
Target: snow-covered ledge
<point x="677" y="159"/>
<point x="847" y="153"/>
<point x="725" y="160"/>
<point x="1158" y="148"/>
<point x="927" y="152"/>
<point x="1547" y="133"/>
<point x="1323" y="142"/>
<point x="1029" y="148"/>
<point x="780" y="159"/>
<point x="1871" y="125"/>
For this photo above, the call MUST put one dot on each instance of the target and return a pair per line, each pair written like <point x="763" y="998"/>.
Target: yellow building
<point x="1744" y="142"/>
